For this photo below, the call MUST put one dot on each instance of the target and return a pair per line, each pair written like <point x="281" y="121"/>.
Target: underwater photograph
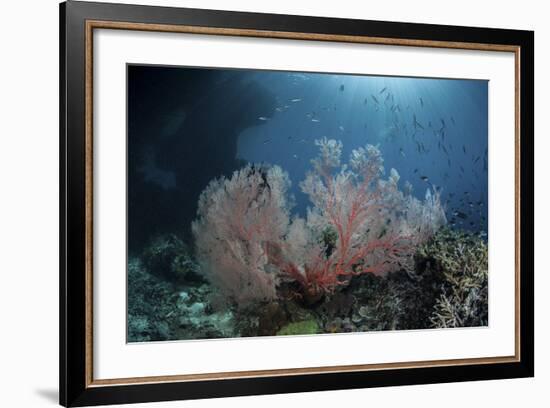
<point x="271" y="203"/>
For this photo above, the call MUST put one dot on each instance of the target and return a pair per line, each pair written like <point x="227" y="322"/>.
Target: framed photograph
<point x="256" y="204"/>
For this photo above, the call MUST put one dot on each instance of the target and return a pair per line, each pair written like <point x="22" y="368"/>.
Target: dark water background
<point x="188" y="125"/>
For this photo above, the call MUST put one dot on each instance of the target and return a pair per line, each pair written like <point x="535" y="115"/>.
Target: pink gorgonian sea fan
<point x="359" y="222"/>
<point x="236" y="218"/>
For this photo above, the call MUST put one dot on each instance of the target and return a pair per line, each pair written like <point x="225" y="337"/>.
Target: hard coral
<point x="461" y="261"/>
<point x="167" y="257"/>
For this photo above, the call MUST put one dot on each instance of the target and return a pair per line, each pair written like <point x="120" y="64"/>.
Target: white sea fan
<point x="236" y="218"/>
<point x="330" y="154"/>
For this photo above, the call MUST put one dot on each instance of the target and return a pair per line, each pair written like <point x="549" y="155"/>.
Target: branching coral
<point x="462" y="262"/>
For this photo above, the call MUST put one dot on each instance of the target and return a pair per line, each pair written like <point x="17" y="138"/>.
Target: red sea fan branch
<point x="361" y="211"/>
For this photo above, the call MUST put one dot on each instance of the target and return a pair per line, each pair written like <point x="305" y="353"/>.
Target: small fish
<point x="415" y="171"/>
<point x="424" y="178"/>
<point x="365" y="101"/>
<point x="382" y="233"/>
<point x="315" y="120"/>
<point x="295" y="156"/>
<point x="421" y="102"/>
<point x="453" y="121"/>
<point x="266" y="141"/>
<point x="279" y="109"/>
<point x="262" y="118"/>
<point x="341" y="128"/>
<point x="374" y="98"/>
<point x="477" y="159"/>
<point x="401" y="152"/>
<point x="416" y="123"/>
<point x="342" y="88"/>
<point x="295" y="100"/>
<point x="464" y="149"/>
<point x="460" y="214"/>
<point x="383" y="89"/>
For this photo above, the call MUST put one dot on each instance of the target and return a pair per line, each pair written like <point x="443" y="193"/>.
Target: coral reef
<point x="447" y="288"/>
<point x="151" y="301"/>
<point x="303" y="327"/>
<point x="167" y="257"/>
<point x="461" y="261"/>
<point x="366" y="257"/>
<point x="173" y="305"/>
<point x="359" y="223"/>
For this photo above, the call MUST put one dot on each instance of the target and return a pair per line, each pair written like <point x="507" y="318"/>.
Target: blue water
<point x="426" y="128"/>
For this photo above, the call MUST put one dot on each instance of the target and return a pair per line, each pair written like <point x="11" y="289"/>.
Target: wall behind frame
<point x="29" y="201"/>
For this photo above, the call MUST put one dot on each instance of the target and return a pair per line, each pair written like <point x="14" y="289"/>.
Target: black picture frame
<point x="76" y="387"/>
